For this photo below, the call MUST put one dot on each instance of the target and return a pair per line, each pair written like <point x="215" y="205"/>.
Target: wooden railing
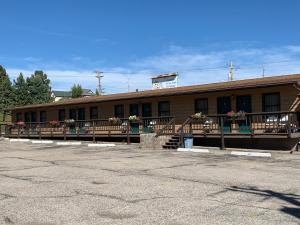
<point x="252" y="124"/>
<point x="91" y="128"/>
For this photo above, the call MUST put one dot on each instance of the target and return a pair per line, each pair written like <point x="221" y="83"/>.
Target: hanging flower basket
<point x="200" y="117"/>
<point x="70" y="122"/>
<point x="114" y="121"/>
<point x="234" y="116"/>
<point x="54" y="123"/>
<point x="21" y="123"/>
<point x="134" y="119"/>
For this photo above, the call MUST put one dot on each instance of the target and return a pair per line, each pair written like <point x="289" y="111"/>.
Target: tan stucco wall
<point x="181" y="106"/>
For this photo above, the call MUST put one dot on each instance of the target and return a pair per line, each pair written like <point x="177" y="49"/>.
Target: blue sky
<point x="135" y="39"/>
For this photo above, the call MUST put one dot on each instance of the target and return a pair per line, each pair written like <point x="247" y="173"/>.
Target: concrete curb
<point x="41" y="142"/>
<point x="252" y="154"/>
<point x="68" y="143"/>
<point x="193" y="150"/>
<point x="19" y="140"/>
<point x="101" y="145"/>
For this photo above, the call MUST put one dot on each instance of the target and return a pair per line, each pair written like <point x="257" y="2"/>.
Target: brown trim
<point x="185" y="90"/>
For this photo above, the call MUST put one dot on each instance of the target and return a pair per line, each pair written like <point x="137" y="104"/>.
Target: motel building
<point x="260" y="113"/>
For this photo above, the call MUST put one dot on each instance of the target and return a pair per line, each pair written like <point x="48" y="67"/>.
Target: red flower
<point x="20" y="123"/>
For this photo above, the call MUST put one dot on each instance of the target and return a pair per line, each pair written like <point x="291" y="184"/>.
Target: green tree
<point x="76" y="91"/>
<point x="6" y="95"/>
<point x="3" y="72"/>
<point x="97" y="92"/>
<point x="20" y="91"/>
<point x="39" y="88"/>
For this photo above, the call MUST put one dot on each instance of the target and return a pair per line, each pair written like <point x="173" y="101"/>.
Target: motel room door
<point x="224" y="105"/>
<point x="243" y="103"/>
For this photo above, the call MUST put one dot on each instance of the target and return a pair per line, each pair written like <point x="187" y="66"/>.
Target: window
<point x="81" y="114"/>
<point x="243" y="103"/>
<point x="146" y="110"/>
<point x="201" y="105"/>
<point x="224" y="104"/>
<point x="61" y="115"/>
<point x="134" y="109"/>
<point x="94" y="113"/>
<point x="119" y="111"/>
<point x="164" y="108"/>
<point x="33" y="117"/>
<point x="43" y="116"/>
<point x="19" y="117"/>
<point x="271" y="102"/>
<point x="27" y="117"/>
<point x="72" y="114"/>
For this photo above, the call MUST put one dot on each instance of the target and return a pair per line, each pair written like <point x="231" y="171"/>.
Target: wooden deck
<point x="275" y="125"/>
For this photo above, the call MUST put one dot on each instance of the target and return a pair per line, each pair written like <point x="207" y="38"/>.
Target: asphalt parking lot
<point x="46" y="184"/>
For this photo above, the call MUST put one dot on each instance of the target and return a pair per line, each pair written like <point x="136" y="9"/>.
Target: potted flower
<point x="238" y="117"/>
<point x="21" y="123"/>
<point x="134" y="123"/>
<point x="54" y="123"/>
<point x="71" y="124"/>
<point x="70" y="121"/>
<point x="114" y="121"/>
<point x="199" y="117"/>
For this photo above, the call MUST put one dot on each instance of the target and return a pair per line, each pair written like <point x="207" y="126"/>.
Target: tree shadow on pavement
<point x="292" y="199"/>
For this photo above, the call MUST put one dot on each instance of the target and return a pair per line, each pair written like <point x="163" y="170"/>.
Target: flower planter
<point x="135" y="127"/>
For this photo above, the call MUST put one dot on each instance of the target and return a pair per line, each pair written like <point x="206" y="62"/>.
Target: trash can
<point x="188" y="141"/>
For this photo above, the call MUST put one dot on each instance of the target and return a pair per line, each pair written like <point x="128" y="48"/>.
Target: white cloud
<point x="194" y="67"/>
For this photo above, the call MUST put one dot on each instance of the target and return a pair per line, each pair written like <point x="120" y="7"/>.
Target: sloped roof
<point x="64" y="94"/>
<point x="203" y="88"/>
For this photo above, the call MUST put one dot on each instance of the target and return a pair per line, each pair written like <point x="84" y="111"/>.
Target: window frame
<point x="44" y="117"/>
<point x="73" y="110"/>
<point x="122" y="111"/>
<point x="19" y="116"/>
<point x="81" y="113"/>
<point x="264" y="102"/>
<point x="93" y="115"/>
<point x="131" y="107"/>
<point x="160" y="112"/>
<point x="195" y="105"/>
<point x="144" y="106"/>
<point x="59" y="115"/>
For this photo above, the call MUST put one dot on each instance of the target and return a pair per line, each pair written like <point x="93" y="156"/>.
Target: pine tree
<point x="97" y="92"/>
<point x="76" y="91"/>
<point x="20" y="91"/>
<point x="39" y="88"/>
<point x="6" y="95"/>
<point x="3" y="72"/>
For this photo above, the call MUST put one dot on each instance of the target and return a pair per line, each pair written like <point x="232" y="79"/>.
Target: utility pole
<point x="231" y="70"/>
<point x="128" y="84"/>
<point x="99" y="76"/>
<point x="263" y="70"/>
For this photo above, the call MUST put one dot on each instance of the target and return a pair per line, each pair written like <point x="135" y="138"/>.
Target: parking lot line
<point x="253" y="154"/>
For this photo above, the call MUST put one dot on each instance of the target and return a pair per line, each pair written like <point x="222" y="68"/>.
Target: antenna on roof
<point x="99" y="76"/>
<point x="231" y="69"/>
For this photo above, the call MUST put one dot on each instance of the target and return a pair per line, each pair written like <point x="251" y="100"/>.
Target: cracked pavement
<point x="44" y="184"/>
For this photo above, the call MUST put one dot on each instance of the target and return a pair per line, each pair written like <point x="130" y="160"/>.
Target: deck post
<point x="94" y="138"/>
<point x="289" y="126"/>
<point x="127" y="130"/>
<point x="18" y="131"/>
<point x="222" y="134"/>
<point x="64" y="131"/>
<point x="173" y="126"/>
<point x="40" y="132"/>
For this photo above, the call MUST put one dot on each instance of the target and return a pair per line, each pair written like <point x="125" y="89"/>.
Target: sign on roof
<point x="165" y="81"/>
